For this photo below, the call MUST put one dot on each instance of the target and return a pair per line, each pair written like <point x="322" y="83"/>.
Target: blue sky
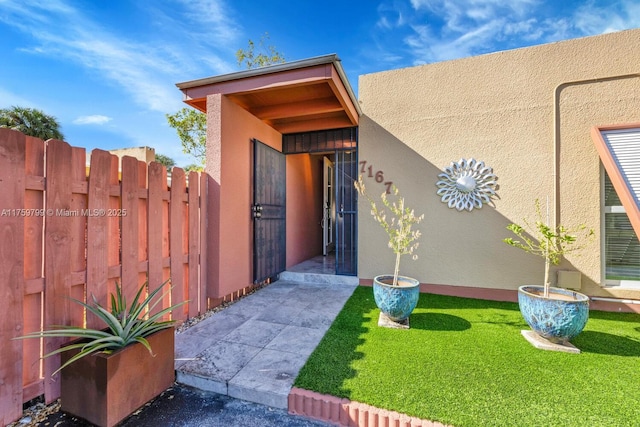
<point x="107" y="69"/>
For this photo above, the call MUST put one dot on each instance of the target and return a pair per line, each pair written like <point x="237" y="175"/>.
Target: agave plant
<point x="124" y="324"/>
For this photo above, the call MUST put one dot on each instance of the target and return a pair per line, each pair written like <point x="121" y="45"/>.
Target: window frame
<point x="604" y="210"/>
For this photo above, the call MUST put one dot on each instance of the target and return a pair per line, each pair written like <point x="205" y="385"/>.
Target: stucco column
<point x="213" y="167"/>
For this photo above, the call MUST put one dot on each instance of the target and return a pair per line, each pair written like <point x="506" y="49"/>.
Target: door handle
<point x="256" y="211"/>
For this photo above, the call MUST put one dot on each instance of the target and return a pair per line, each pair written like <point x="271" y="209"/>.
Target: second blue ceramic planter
<point x="558" y="318"/>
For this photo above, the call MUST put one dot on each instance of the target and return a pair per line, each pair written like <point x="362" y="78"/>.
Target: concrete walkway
<point x="254" y="349"/>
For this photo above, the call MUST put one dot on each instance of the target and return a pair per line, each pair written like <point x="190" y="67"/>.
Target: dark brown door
<point x="268" y="210"/>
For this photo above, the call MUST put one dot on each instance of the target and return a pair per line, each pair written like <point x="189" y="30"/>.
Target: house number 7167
<point x="378" y="175"/>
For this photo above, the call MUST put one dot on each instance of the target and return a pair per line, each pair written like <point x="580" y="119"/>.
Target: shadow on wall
<point x="456" y="248"/>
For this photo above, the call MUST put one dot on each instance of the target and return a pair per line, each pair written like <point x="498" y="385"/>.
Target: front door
<point x="347" y="214"/>
<point x="268" y="210"/>
<point x="328" y="208"/>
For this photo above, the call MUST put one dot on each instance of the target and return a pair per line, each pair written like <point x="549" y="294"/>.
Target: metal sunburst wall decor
<point x="467" y="184"/>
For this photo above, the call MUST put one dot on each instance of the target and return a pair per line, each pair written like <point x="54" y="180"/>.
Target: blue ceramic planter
<point x="397" y="302"/>
<point x="558" y="318"/>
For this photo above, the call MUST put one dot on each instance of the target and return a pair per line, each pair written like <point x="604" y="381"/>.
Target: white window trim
<point x="611" y="283"/>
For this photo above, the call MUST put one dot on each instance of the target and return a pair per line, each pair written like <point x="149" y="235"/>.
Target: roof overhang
<point x="619" y="150"/>
<point x="299" y="96"/>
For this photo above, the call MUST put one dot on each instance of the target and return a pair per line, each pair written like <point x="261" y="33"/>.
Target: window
<point x="621" y="245"/>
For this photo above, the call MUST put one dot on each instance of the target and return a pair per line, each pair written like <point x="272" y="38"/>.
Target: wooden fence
<point x="68" y="231"/>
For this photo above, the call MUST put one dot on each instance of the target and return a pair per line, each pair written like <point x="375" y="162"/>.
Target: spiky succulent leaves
<point x="133" y="325"/>
<point x="104" y="344"/>
<point x="138" y="326"/>
<point x="120" y="307"/>
<point x="124" y="325"/>
<point x="93" y="340"/>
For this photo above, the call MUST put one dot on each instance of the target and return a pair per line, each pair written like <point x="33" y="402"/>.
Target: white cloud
<point x="390" y="16"/>
<point x="448" y="29"/>
<point x="212" y="15"/>
<point x="591" y="19"/>
<point x="146" y="69"/>
<point x="95" y="119"/>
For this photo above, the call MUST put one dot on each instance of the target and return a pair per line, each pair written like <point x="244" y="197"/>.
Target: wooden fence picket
<point x="98" y="232"/>
<point x="177" y="243"/>
<point x="12" y="177"/>
<point x="130" y="227"/>
<point x="156" y="214"/>
<point x="33" y="265"/>
<point x="78" y="224"/>
<point x="57" y="266"/>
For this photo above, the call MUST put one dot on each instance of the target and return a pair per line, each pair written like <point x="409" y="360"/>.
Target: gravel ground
<point x="182" y="406"/>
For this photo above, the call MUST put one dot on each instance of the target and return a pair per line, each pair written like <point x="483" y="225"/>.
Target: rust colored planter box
<point x="106" y="388"/>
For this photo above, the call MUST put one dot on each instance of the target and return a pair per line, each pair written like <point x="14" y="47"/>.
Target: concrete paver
<point x="262" y="341"/>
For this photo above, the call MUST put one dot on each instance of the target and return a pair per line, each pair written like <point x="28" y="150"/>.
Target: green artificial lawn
<point x="464" y="362"/>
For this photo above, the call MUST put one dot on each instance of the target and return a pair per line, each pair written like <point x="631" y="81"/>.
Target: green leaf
<point x="125" y="324"/>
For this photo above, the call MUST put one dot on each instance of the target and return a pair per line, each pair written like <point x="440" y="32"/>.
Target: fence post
<point x="202" y="253"/>
<point x="12" y="177"/>
<point x="177" y="241"/>
<point x="78" y="224"/>
<point x="32" y="380"/>
<point x="194" y="244"/>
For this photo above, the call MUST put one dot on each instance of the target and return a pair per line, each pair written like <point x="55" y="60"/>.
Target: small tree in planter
<point x="396" y="304"/>
<point x="402" y="239"/>
<point x="555" y="314"/>
<point x="547" y="243"/>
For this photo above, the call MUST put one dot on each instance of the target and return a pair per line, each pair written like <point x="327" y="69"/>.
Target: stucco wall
<point x="304" y="207"/>
<point x="229" y="164"/>
<point x="144" y="154"/>
<point x="499" y="108"/>
<point x="230" y="130"/>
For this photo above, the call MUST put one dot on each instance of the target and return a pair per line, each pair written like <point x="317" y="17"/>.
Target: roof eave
<point x="276" y="68"/>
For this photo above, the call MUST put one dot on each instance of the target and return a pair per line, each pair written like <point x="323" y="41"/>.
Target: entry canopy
<point x="298" y="96"/>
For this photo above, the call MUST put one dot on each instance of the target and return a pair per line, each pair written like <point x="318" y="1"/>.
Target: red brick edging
<point x="344" y="412"/>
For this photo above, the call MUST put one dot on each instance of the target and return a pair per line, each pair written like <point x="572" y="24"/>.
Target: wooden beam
<point x="312" y="125"/>
<point x="297" y="109"/>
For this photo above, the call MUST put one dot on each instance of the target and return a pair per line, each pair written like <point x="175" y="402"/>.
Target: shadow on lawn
<point x="444" y="302"/>
<point x="438" y="322"/>
<point x="331" y="364"/>
<point x="604" y="343"/>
